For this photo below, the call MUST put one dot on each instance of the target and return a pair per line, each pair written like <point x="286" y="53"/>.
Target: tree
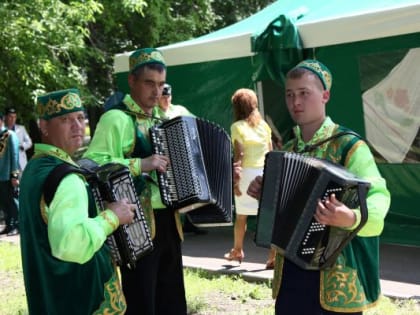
<point x="43" y="45"/>
<point x="231" y="11"/>
<point x="157" y="23"/>
<point x="52" y="44"/>
<point x="120" y="28"/>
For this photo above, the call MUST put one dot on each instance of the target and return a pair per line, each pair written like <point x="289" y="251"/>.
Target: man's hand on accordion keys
<point x="334" y="213"/>
<point x="155" y="162"/>
<point x="254" y="188"/>
<point x="123" y="210"/>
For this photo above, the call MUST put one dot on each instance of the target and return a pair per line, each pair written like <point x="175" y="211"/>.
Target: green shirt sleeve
<point x="114" y="140"/>
<point x="362" y="163"/>
<point x="73" y="236"/>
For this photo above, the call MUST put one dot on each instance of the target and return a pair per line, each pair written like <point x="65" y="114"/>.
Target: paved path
<point x="400" y="271"/>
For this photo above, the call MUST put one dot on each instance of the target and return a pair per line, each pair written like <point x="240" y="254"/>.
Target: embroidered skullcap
<point x="58" y="103"/>
<point x="318" y="68"/>
<point x="145" y="56"/>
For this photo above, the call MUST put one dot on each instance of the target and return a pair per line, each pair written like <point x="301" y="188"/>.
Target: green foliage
<point x="232" y="11"/>
<point x="118" y="29"/>
<point x="52" y="44"/>
<point x="44" y="43"/>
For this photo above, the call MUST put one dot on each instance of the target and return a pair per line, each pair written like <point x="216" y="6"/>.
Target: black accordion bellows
<point x="199" y="176"/>
<point x="292" y="186"/>
<point x="112" y="182"/>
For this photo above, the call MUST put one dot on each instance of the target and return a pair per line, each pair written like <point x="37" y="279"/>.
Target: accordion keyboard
<point x="111" y="182"/>
<point x="198" y="179"/>
<point x="183" y="150"/>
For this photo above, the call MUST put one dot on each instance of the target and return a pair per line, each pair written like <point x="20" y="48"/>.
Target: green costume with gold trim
<point x="55" y="286"/>
<point x="352" y="283"/>
<point x="128" y="119"/>
<point x="156" y="285"/>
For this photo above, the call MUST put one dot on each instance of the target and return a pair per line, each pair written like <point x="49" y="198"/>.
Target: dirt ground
<point x="221" y="303"/>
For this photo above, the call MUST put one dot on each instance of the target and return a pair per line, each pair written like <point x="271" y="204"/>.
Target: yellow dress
<point x="256" y="143"/>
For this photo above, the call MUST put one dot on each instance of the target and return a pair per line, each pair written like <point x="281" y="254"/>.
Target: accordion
<point x="112" y="182"/>
<point x="198" y="179"/>
<point x="292" y="186"/>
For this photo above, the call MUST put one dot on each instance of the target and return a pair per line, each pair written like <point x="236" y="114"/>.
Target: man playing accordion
<point x="67" y="267"/>
<point x="156" y="285"/>
<point x="351" y="284"/>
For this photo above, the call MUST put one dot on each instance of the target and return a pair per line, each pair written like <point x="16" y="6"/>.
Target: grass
<point x="211" y="293"/>
<point x="207" y="293"/>
<point x="12" y="289"/>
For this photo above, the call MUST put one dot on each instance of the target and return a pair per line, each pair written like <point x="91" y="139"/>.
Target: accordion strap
<point x="54" y="178"/>
<point x="362" y="195"/>
<point x="361" y="191"/>
<point x="311" y="147"/>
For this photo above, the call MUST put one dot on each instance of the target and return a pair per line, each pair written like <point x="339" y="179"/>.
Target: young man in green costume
<point x="351" y="285"/>
<point x="156" y="285"/>
<point x="67" y="267"/>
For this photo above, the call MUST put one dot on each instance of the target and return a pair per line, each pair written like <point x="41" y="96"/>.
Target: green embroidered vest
<point x="344" y="286"/>
<point x="54" y="286"/>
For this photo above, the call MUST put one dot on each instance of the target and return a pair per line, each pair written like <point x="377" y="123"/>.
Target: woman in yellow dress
<point x="251" y="138"/>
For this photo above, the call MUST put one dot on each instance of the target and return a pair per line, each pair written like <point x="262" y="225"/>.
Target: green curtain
<point x="278" y="48"/>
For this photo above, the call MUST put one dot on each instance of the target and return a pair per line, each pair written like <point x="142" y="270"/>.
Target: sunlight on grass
<point x="389" y="306"/>
<point x="207" y="293"/>
<point x="12" y="289"/>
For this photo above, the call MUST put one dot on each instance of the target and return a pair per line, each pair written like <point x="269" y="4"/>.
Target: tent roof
<point x="321" y="23"/>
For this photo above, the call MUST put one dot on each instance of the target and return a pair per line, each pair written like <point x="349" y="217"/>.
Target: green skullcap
<point x="319" y="69"/>
<point x="58" y="103"/>
<point x="145" y="56"/>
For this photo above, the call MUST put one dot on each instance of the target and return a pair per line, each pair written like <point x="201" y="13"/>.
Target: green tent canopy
<point x="366" y="44"/>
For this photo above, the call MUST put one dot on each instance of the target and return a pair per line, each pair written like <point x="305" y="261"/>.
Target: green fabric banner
<point x="278" y="48"/>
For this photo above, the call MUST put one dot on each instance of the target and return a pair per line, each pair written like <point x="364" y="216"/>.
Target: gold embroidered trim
<point x="322" y="73"/>
<point x="114" y="301"/>
<point x="67" y="102"/>
<point x="352" y="150"/>
<point x="146" y="57"/>
<point x="42" y="207"/>
<point x="104" y="214"/>
<point x="3" y="142"/>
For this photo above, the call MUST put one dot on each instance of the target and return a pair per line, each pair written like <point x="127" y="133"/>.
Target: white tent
<point x="361" y="41"/>
<point x="331" y="23"/>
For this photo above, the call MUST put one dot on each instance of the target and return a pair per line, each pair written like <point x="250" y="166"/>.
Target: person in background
<point x="156" y="285"/>
<point x="9" y="178"/>
<point x="351" y="285"/>
<point x="251" y="138"/>
<point x="170" y="111"/>
<point x="67" y="266"/>
<point x="25" y="141"/>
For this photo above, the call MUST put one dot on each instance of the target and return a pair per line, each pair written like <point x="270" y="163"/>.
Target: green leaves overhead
<point x="50" y="44"/>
